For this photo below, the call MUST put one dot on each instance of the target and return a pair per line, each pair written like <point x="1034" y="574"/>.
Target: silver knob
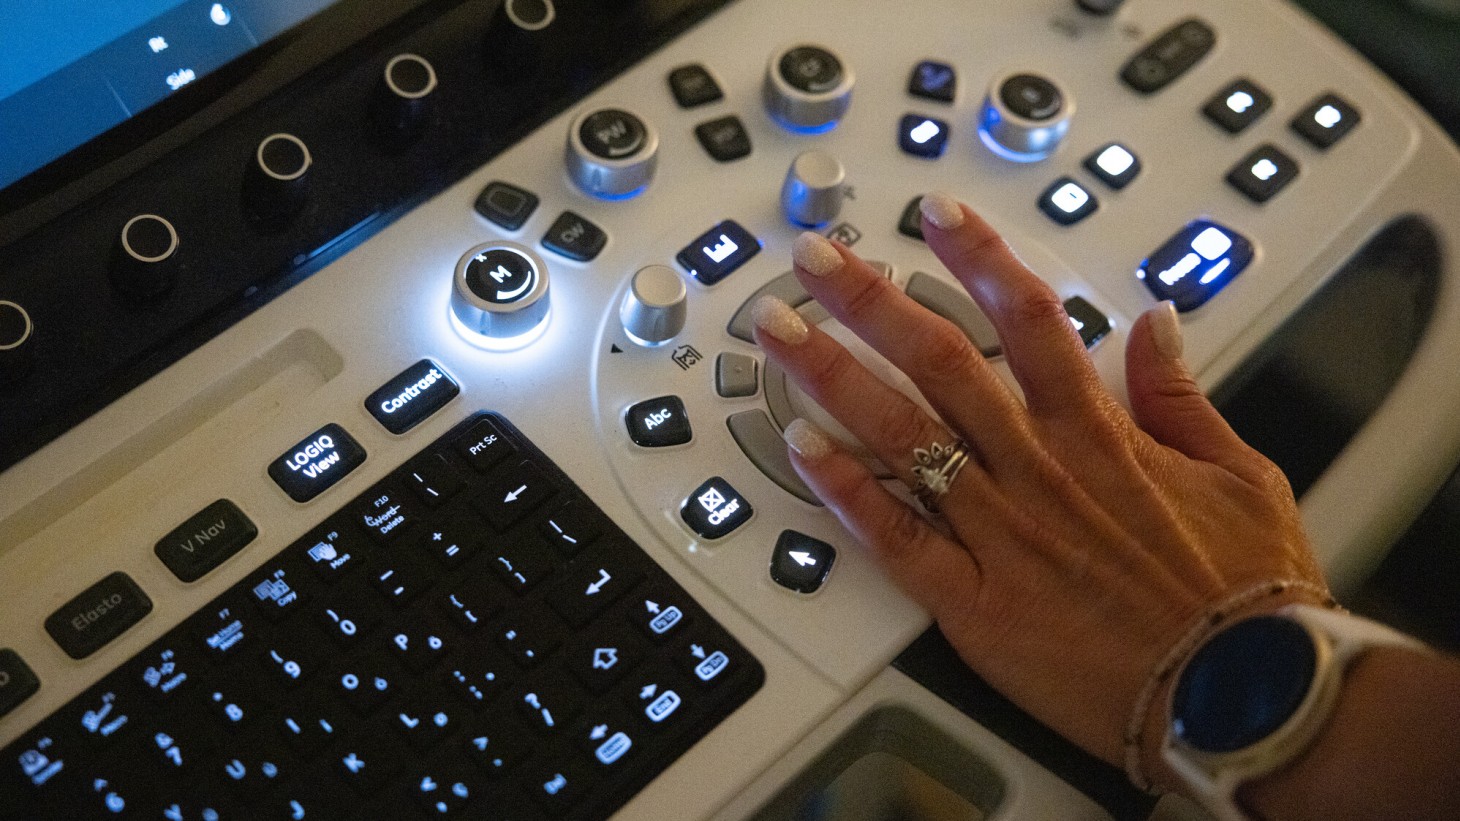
<point x="500" y="291"/>
<point x="814" y="190"/>
<point x="807" y="88"/>
<point x="653" y="310"/>
<point x="1025" y="116"/>
<point x="611" y="152"/>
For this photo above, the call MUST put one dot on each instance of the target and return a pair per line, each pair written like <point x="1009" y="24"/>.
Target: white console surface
<point x="97" y="500"/>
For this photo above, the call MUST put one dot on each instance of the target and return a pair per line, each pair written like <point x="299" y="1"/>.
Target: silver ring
<point x="935" y="469"/>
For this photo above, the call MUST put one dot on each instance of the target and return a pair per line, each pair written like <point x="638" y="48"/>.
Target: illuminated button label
<point x="501" y="276"/>
<point x="1067" y="202"/>
<point x="1326" y="120"/>
<point x="317" y="463"/>
<point x="1114" y="164"/>
<point x="716" y="254"/>
<point x="922" y="136"/>
<point x="715" y="509"/>
<point x="657" y="423"/>
<point x="1263" y="173"/>
<point x="1195" y="263"/>
<point x="414" y="394"/>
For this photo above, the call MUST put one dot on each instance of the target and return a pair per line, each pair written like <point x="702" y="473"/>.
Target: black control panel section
<point x="449" y="665"/>
<point x="241" y="208"/>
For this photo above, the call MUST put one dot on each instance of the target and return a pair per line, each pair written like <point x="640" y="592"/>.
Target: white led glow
<point x="1264" y="169"/>
<point x="1211" y="243"/>
<point x="1178" y="272"/>
<point x="1115" y="161"/>
<point x="925" y="131"/>
<point x="1240" y="101"/>
<point x="1070" y="198"/>
<point x="1328" y="116"/>
<point x="1215" y="272"/>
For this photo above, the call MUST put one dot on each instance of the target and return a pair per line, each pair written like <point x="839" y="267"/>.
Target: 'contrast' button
<point x="414" y="394"/>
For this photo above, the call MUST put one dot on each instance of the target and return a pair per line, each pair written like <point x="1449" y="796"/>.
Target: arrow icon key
<point x="801" y="563"/>
<point x="512" y="492"/>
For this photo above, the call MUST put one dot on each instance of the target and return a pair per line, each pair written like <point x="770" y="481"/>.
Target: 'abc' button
<point x="715" y="509"/>
<point x="657" y="423"/>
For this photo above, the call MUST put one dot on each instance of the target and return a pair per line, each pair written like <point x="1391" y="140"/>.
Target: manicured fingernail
<point x="942" y="211"/>
<point x="815" y="255"/>
<point x="810" y="442"/>
<point x="1166" y="330"/>
<point x="779" y="320"/>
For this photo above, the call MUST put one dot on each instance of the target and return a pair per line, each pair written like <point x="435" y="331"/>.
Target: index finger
<point x="1042" y="347"/>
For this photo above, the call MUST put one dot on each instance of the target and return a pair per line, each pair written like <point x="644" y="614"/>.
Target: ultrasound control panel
<point x="483" y="385"/>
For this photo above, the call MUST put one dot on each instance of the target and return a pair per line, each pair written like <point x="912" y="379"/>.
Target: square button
<point x="574" y="237"/>
<point x="1326" y="120"/>
<point x="910" y="224"/>
<point x="1238" y="105"/>
<point x="1090" y="323"/>
<point x="1195" y="263"/>
<point x="692" y="85"/>
<point x="933" y="81"/>
<point x="801" y="563"/>
<point x="715" y="509"/>
<point x="1067" y="202"/>
<point x="1263" y="173"/>
<point x="725" y="138"/>
<point x="1114" y="164"/>
<point x="922" y="136"/>
<point x="506" y="205"/>
<point x="657" y="423"/>
<point x="716" y="253"/>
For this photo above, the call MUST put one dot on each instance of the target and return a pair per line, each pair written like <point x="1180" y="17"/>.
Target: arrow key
<point x="512" y="492"/>
<point x="603" y="660"/>
<point x="590" y="586"/>
<point x="801" y="563"/>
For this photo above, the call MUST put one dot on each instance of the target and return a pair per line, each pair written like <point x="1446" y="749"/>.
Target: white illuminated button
<point x="1240" y="101"/>
<point x="922" y="136"/>
<point x="1114" y="164"/>
<point x="1212" y="243"/>
<point x="1326" y="120"/>
<point x="1264" y="169"/>
<point x="1238" y="105"/>
<point x="1263" y="173"/>
<point x="1067" y="202"/>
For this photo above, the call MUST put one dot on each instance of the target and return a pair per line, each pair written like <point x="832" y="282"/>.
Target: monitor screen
<point x="72" y="69"/>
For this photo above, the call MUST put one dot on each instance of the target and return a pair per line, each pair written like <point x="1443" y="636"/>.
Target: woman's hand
<point x="1082" y="542"/>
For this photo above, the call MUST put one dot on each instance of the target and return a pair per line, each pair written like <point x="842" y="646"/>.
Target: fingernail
<point x="1166" y="330"/>
<point x="942" y="211"/>
<point x="810" y="442"/>
<point x="779" y="320"/>
<point x="815" y="255"/>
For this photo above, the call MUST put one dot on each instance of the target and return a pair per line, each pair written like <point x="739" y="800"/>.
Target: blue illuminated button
<point x="922" y="136"/>
<point x="716" y="253"/>
<point x="715" y="509"/>
<point x="414" y="394"/>
<point x="657" y="423"/>
<point x="1114" y="164"/>
<point x="1238" y="105"/>
<point x="1195" y="263"/>
<point x="1326" y="120"/>
<point x="1263" y="173"/>
<point x="316" y="463"/>
<point x="1067" y="202"/>
<point x="933" y="81"/>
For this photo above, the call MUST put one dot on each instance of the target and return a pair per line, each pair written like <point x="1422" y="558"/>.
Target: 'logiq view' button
<point x="419" y="391"/>
<point x="315" y="464"/>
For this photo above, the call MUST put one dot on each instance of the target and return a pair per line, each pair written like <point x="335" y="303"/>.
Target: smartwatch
<point x="1255" y="695"/>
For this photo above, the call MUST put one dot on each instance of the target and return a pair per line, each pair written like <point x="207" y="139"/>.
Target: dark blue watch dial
<point x="1243" y="684"/>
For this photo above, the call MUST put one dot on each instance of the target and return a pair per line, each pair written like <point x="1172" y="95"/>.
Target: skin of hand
<point x="1081" y="541"/>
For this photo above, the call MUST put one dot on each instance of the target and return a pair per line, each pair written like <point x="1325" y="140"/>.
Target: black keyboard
<point x="470" y="637"/>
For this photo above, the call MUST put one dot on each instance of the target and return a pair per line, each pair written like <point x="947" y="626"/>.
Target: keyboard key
<point x="603" y="660"/>
<point x="521" y="565"/>
<point x="433" y="478"/>
<point x="658" y="613"/>
<point x="800" y="562"/>
<point x="419" y="646"/>
<point x="97" y="615"/>
<point x="478" y="676"/>
<point x="331" y="551"/>
<point x="590" y="586"/>
<point x="715" y="509"/>
<point x="483" y="445"/>
<point x="471" y="605"/>
<point x="506" y="204"/>
<point x="494" y="745"/>
<point x="570" y="528"/>
<point x="207" y="539"/>
<point x="316" y="463"/>
<point x="1326" y="120"/>
<point x="17" y="681"/>
<point x="529" y="635"/>
<point x="385" y="512"/>
<point x="276" y="591"/>
<point x="693" y="85"/>
<point x="452" y="543"/>
<point x="411" y="396"/>
<point x="512" y="492"/>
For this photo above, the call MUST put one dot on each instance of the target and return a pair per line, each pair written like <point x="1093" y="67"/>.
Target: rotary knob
<point x="403" y="96"/>
<point x="807" y="88"/>
<point x="814" y="190"/>
<point x="516" y="36"/>
<point x="144" y="261"/>
<point x="277" y="181"/>
<point x="500" y="292"/>
<point x="16" y="340"/>
<point x="611" y="153"/>
<point x="1025" y="116"/>
<point x="653" y="311"/>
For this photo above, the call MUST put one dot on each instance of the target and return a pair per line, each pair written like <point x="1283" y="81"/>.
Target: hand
<point x="1080" y="542"/>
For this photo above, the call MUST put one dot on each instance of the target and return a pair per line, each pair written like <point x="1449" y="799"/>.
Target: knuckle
<point x="866" y="298"/>
<point x="904" y="425"/>
<point x="1038" y="304"/>
<point x="826" y="371"/>
<point x="946" y="352"/>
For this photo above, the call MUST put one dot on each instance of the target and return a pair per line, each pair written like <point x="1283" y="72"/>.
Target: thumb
<point x="1165" y="400"/>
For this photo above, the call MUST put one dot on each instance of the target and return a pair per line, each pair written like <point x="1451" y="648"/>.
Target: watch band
<point x="1338" y="637"/>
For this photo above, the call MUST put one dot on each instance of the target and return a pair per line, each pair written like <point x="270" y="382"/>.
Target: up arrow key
<point x="802" y="558"/>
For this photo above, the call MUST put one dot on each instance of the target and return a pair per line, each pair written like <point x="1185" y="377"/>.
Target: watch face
<point x="1243" y="684"/>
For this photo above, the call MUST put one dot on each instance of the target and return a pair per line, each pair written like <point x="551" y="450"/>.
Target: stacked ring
<point x="935" y="469"/>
